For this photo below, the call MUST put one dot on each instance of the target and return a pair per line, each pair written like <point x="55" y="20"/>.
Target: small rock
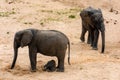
<point x="116" y="12"/>
<point x="107" y="21"/>
<point x="114" y="22"/>
<point x="111" y="10"/>
<point x="72" y="43"/>
<point x="8" y="32"/>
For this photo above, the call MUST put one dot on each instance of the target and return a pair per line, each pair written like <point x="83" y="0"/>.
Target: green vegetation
<point x="6" y="14"/>
<point x="49" y="11"/>
<point x="71" y="16"/>
<point x="28" y="23"/>
<point x="60" y="15"/>
<point x="41" y="23"/>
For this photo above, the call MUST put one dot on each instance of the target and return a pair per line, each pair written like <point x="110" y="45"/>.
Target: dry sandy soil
<point x="86" y="64"/>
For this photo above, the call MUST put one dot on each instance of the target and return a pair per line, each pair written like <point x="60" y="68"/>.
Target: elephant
<point x="46" y="42"/>
<point x="93" y="22"/>
<point x="50" y="66"/>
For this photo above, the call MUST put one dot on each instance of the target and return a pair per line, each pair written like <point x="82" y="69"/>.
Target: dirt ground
<point x="62" y="15"/>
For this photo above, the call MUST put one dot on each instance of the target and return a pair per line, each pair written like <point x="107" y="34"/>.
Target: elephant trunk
<point x="103" y="41"/>
<point x="15" y="54"/>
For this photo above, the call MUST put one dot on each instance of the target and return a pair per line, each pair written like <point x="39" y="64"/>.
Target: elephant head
<point x="21" y="39"/>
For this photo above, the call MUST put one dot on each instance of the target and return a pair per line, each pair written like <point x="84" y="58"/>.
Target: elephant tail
<point x="69" y="52"/>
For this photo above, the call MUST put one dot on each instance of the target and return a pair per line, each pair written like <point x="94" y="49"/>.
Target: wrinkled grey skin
<point x="50" y="66"/>
<point x="93" y="22"/>
<point x="46" y="42"/>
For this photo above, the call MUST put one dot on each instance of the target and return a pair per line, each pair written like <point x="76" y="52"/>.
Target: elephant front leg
<point x="92" y="37"/>
<point x="89" y="38"/>
<point x="95" y="42"/>
<point x="82" y="38"/>
<point x="33" y="59"/>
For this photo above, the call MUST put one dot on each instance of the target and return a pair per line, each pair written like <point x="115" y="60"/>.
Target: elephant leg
<point x="89" y="38"/>
<point x="96" y="36"/>
<point x="60" y="67"/>
<point x="58" y="63"/>
<point x="33" y="58"/>
<point x="92" y="36"/>
<point x="82" y="38"/>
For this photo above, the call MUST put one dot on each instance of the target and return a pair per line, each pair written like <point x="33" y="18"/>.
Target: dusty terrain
<point x="62" y="15"/>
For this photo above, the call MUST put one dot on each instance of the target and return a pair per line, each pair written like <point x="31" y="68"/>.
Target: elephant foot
<point x="82" y="39"/>
<point x="33" y="70"/>
<point x="51" y="70"/>
<point x="60" y="70"/>
<point x="88" y="42"/>
<point x="95" y="48"/>
<point x="91" y="45"/>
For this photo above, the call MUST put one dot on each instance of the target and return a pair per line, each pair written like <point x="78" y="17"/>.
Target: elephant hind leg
<point x="60" y="67"/>
<point x="61" y="57"/>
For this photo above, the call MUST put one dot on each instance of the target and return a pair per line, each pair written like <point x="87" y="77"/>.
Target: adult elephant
<point x="93" y="22"/>
<point x="47" y="42"/>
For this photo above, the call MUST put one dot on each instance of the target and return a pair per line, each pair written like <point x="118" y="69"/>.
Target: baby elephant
<point x="50" y="66"/>
<point x="93" y="22"/>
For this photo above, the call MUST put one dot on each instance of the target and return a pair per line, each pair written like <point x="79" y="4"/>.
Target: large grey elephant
<point x="93" y="22"/>
<point x="47" y="42"/>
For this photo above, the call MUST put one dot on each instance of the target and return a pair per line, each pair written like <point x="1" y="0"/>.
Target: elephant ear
<point x="26" y="38"/>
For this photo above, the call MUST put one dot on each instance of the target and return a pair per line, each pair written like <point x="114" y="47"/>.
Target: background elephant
<point x="93" y="22"/>
<point x="47" y="42"/>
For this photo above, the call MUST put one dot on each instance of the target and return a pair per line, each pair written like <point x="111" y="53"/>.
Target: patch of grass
<point x="72" y="16"/>
<point x="68" y="14"/>
<point x="68" y="11"/>
<point x="28" y="23"/>
<point x="60" y="15"/>
<point x="41" y="23"/>
<point x="12" y="1"/>
<point x="6" y="14"/>
<point x="52" y="19"/>
<point x="62" y="12"/>
<point x="49" y="19"/>
<point x="49" y="11"/>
